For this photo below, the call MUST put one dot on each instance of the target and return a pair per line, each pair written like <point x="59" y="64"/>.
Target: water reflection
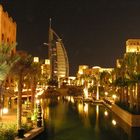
<point x="86" y="108"/>
<point x="83" y="108"/>
<point x="70" y="99"/>
<point x="69" y="120"/>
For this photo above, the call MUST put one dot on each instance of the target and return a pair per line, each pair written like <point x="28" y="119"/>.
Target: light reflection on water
<point x="85" y="121"/>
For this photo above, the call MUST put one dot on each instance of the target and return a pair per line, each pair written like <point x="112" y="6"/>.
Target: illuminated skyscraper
<point x="59" y="65"/>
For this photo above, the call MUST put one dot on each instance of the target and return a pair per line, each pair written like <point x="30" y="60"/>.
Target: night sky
<point x="94" y="32"/>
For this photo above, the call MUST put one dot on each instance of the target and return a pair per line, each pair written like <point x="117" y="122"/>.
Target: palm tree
<point x="132" y="72"/>
<point x="105" y="80"/>
<point x="7" y="60"/>
<point x="35" y="76"/>
<point x="127" y="80"/>
<point x="20" y="70"/>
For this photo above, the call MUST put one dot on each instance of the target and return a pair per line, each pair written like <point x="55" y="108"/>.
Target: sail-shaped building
<point x="59" y="64"/>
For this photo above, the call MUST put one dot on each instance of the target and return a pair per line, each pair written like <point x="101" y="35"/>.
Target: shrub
<point x="7" y="131"/>
<point x="27" y="127"/>
<point x="127" y="108"/>
<point x="74" y="91"/>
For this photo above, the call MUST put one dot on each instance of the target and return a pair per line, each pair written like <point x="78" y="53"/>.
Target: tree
<point x="20" y="70"/>
<point x="35" y="75"/>
<point x="52" y="82"/>
<point x="105" y="80"/>
<point x="128" y="80"/>
<point x="7" y="60"/>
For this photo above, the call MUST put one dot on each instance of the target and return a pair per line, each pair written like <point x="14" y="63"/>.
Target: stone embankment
<point x="131" y="119"/>
<point x="31" y="134"/>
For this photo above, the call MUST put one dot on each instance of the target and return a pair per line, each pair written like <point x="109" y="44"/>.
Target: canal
<point x="76" y="120"/>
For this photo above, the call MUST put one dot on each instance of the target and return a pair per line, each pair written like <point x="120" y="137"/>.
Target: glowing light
<point x="36" y="59"/>
<point x="5" y="110"/>
<point x="72" y="99"/>
<point x="37" y="101"/>
<point x="106" y="113"/>
<point x="114" y="122"/>
<point x="80" y="72"/>
<point x="106" y="93"/>
<point x="40" y="92"/>
<point x="82" y="81"/>
<point x="114" y="96"/>
<point x="47" y="61"/>
<point x="36" y="96"/>
<point x="86" y="92"/>
<point x="68" y="98"/>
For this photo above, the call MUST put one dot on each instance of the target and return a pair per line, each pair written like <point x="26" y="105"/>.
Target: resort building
<point x="133" y="46"/>
<point x="128" y="75"/>
<point x="93" y="75"/>
<point x="7" y="36"/>
<point x="7" y="28"/>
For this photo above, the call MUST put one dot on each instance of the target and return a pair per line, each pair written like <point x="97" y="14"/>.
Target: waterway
<point x="70" y="120"/>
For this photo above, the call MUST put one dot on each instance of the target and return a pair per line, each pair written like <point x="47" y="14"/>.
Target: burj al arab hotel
<point x="59" y="64"/>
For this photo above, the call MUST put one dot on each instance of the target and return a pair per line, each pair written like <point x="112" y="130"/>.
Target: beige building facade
<point x="133" y="46"/>
<point x="8" y="28"/>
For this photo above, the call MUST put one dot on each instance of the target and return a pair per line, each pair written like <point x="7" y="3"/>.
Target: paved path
<point x="10" y="117"/>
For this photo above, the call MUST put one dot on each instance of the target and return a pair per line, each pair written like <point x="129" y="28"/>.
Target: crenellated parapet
<point x="7" y="28"/>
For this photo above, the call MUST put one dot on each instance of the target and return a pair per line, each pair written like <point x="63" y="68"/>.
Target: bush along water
<point x="7" y="131"/>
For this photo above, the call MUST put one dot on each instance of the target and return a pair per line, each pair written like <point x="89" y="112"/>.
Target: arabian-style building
<point x="7" y="32"/>
<point x="7" y="28"/>
<point x="133" y="45"/>
<point x="7" y="36"/>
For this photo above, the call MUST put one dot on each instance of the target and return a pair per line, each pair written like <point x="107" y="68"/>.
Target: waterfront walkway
<point x="31" y="134"/>
<point x="10" y="117"/>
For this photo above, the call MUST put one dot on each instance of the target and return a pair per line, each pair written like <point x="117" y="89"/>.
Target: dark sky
<point x="94" y="32"/>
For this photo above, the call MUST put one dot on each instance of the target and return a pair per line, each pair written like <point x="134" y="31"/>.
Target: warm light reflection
<point x="72" y="99"/>
<point x="47" y="112"/>
<point x="97" y="118"/>
<point x="86" y="108"/>
<point x="68" y="98"/>
<point x="80" y="108"/>
<point x="97" y="94"/>
<point x="97" y="111"/>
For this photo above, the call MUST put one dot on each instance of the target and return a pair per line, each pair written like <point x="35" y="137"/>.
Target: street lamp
<point x="39" y="114"/>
